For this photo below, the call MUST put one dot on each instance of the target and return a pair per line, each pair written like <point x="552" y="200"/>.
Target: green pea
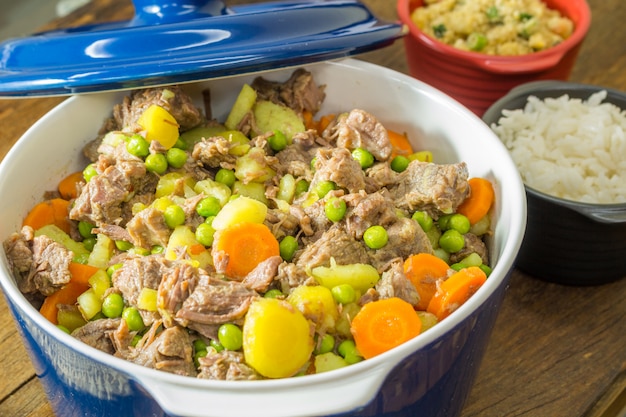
<point x="278" y="141"/>
<point x="138" y="146"/>
<point x="133" y="319"/>
<point x="89" y="172"/>
<point x="89" y="243"/>
<point x="347" y="348"/>
<point x="230" y="336"/>
<point x="225" y="176"/>
<point x="452" y="241"/>
<point x="180" y="144"/>
<point x="444" y="222"/>
<point x="135" y="340"/>
<point x="399" y="163"/>
<point x="302" y="186"/>
<point x="156" y="249"/>
<point x="175" y="157"/>
<point x="335" y="209"/>
<point x="375" y="237"/>
<point x="486" y="269"/>
<point x="174" y="215"/>
<point x="199" y="354"/>
<point x="123" y="245"/>
<point x="208" y="206"/>
<point x="363" y="157"/>
<point x="157" y="163"/>
<point x="424" y="220"/>
<point x="326" y="344"/>
<point x="344" y="293"/>
<point x="199" y="344"/>
<point x="111" y="269"/>
<point x="139" y="251"/>
<point x="324" y="187"/>
<point x="113" y="305"/>
<point x="460" y="223"/>
<point x="215" y="344"/>
<point x="205" y="234"/>
<point x="288" y="247"/>
<point x="273" y="293"/>
<point x="84" y="229"/>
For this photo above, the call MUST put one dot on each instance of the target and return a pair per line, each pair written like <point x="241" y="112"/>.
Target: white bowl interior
<point x="52" y="148"/>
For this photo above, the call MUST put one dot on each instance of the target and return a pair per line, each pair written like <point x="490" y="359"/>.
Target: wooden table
<point x="556" y="351"/>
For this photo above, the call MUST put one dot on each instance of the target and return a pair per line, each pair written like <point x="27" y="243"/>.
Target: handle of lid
<point x="154" y="12"/>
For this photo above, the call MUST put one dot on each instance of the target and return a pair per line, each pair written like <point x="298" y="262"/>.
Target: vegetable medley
<point x="274" y="243"/>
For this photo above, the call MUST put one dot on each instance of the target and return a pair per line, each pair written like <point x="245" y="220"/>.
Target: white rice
<point x="569" y="148"/>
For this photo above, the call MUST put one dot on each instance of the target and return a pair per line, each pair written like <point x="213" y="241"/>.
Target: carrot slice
<point x="68" y="185"/>
<point x="54" y="211"/>
<point x="481" y="197"/>
<point x="455" y="291"/>
<point x="399" y="143"/>
<point x="82" y="272"/>
<point x="66" y="295"/>
<point x="424" y="271"/>
<point x="309" y="122"/>
<point x="246" y="245"/>
<point x="324" y="121"/>
<point x="384" y="324"/>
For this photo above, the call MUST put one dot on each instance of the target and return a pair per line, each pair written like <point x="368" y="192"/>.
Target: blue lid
<point x="188" y="40"/>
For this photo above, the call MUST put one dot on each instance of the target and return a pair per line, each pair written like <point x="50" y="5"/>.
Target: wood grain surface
<point x="556" y="351"/>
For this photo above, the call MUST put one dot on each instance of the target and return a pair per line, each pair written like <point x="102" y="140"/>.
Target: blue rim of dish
<point x="189" y="41"/>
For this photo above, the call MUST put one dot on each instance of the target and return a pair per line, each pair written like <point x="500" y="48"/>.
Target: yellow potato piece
<point x="317" y="304"/>
<point x="241" y="209"/>
<point x="361" y="276"/>
<point x="277" y="338"/>
<point x="159" y="125"/>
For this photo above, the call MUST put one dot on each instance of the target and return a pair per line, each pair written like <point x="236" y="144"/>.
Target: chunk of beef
<point x="394" y="283"/>
<point x="437" y="189"/>
<point x="214" y="152"/>
<point x="100" y="201"/>
<point x="226" y="366"/>
<point x="122" y="339"/>
<point x="171" y="98"/>
<point x="473" y="244"/>
<point x="148" y="228"/>
<point x="40" y="264"/>
<point x="176" y="286"/>
<point x="98" y="334"/>
<point x="338" y="165"/>
<point x="137" y="273"/>
<point x="366" y="210"/>
<point x="380" y="175"/>
<point x="336" y="243"/>
<point x="17" y="248"/>
<point x="170" y="351"/>
<point x="299" y="92"/>
<point x="360" y="129"/>
<point x="260" y="278"/>
<point x="406" y="237"/>
<point x="113" y="231"/>
<point x="214" y="301"/>
<point x="296" y="160"/>
<point x="291" y="276"/>
<point x="281" y="223"/>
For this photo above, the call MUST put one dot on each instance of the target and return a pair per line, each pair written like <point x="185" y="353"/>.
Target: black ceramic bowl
<point x="568" y="242"/>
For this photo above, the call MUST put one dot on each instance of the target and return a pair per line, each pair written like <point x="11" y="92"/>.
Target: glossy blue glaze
<point x="78" y="385"/>
<point x="185" y="41"/>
